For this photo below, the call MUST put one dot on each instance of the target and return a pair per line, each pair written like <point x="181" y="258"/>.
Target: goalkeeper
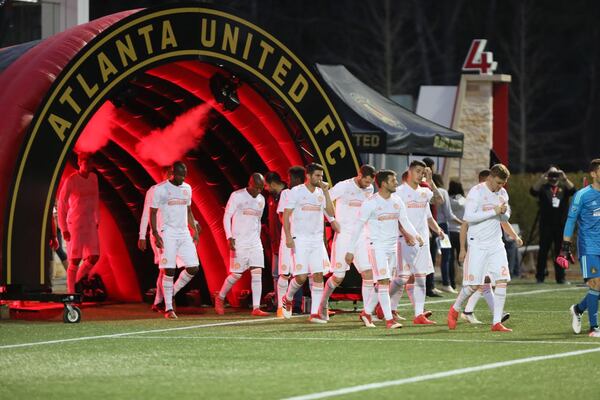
<point x="585" y="211"/>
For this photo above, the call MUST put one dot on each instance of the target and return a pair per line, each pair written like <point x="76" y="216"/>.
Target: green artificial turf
<point x="275" y="359"/>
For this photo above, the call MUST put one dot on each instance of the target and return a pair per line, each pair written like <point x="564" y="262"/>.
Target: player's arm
<point x="328" y="203"/>
<point x="473" y="215"/>
<point x="63" y="209"/>
<point x="145" y="220"/>
<point x="510" y="231"/>
<point x="153" y="225"/>
<point x="192" y="224"/>
<point x="230" y="209"/>
<point x="437" y="198"/>
<point x="462" y="238"/>
<point x="433" y="225"/>
<point x="335" y="226"/>
<point x="287" y="227"/>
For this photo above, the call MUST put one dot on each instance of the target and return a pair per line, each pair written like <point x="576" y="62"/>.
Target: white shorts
<point x="158" y="254"/>
<point x="243" y="258"/>
<point x="341" y="246"/>
<point x="83" y="243"/>
<point x="383" y="261"/>
<point x="482" y="262"/>
<point x="286" y="260"/>
<point x="309" y="257"/>
<point x="415" y="259"/>
<point x="178" y="246"/>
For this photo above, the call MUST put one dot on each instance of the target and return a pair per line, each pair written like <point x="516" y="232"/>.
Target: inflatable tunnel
<point x="140" y="90"/>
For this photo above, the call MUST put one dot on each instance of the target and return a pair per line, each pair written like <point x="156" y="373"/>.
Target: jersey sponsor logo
<point x="354" y="203"/>
<point x="310" y="207"/>
<point x="177" y="202"/>
<point x="387" y="217"/>
<point x="251" y="212"/>
<point x="416" y="204"/>
<point x="596" y="212"/>
<point x="488" y="207"/>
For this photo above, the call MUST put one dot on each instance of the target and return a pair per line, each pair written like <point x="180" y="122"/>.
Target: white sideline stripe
<point x="438" y="375"/>
<point x="375" y="339"/>
<point x="13" y="346"/>
<point x="115" y="335"/>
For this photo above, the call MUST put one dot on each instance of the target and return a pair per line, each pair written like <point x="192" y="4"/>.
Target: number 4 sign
<point x="479" y="60"/>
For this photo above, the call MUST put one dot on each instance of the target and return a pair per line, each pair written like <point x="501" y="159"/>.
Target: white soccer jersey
<point x="484" y="225"/>
<point x="348" y="200"/>
<point x="307" y="215"/>
<point x="78" y="205"/>
<point x="242" y="218"/>
<point x="173" y="202"/>
<point x="381" y="217"/>
<point x="146" y="212"/>
<point x="417" y="207"/>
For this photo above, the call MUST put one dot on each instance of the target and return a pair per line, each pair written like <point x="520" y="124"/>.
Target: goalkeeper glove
<point x="565" y="257"/>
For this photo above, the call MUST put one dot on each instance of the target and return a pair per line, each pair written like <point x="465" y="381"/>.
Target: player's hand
<point x="349" y="258"/>
<point x="53" y="243"/>
<point x="428" y="174"/>
<point x="232" y="244"/>
<point x="195" y="237"/>
<point x="289" y="242"/>
<point x="67" y="235"/>
<point x="501" y="209"/>
<point x="462" y="254"/>
<point x="409" y="239"/>
<point x="566" y="257"/>
<point x="335" y="226"/>
<point x="519" y="241"/>
<point x="142" y="244"/>
<point x="441" y="233"/>
<point x="420" y="240"/>
<point x="158" y="240"/>
<point x="324" y="185"/>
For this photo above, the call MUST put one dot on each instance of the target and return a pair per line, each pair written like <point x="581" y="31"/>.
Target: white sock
<point x="282" y="287"/>
<point x="71" y="278"/>
<point x="310" y="282"/>
<point x="158" y="297"/>
<point x="396" y="291"/>
<point x="488" y="295"/>
<point x="83" y="270"/>
<point x="419" y="295"/>
<point x="167" y="284"/>
<point x="410" y="292"/>
<point x="328" y="290"/>
<point x="465" y="292"/>
<point x="470" y="307"/>
<point x="293" y="287"/>
<point x="384" y="301"/>
<point x="228" y="284"/>
<point x="372" y="301"/>
<point x="316" y="294"/>
<point x="256" y="285"/>
<point x="500" y="298"/>
<point x="367" y="290"/>
<point x="184" y="278"/>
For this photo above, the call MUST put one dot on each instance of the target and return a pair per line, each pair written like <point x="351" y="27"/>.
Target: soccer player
<point x="303" y="226"/>
<point x="242" y="222"/>
<point x="349" y="196"/>
<point x="485" y="208"/>
<point x="585" y="212"/>
<point x="381" y="214"/>
<point x="78" y="216"/>
<point x="417" y="261"/>
<point x="174" y="199"/>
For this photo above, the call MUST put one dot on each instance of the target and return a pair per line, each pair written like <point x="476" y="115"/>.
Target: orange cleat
<point x="452" y="318"/>
<point x="257" y="312"/>
<point x="422" y="320"/>
<point x="170" y="314"/>
<point x="219" y="305"/>
<point x="379" y="313"/>
<point x="500" y="328"/>
<point x="397" y="316"/>
<point x="366" y="319"/>
<point x="391" y="324"/>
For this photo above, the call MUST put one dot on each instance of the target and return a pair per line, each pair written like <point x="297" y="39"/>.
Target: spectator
<point x="553" y="190"/>
<point x="275" y="186"/>
<point x="433" y="244"/>
<point x="457" y="204"/>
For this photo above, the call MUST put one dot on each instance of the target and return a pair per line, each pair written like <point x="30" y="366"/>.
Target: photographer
<point x="553" y="190"/>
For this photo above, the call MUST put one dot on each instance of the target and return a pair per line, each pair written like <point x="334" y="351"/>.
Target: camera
<point x="553" y="175"/>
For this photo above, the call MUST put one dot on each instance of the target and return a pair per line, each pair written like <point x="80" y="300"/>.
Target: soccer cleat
<point x="379" y="312"/>
<point x="279" y="312"/>
<point x="316" y="319"/>
<point x="219" y="305"/>
<point x="423" y="320"/>
<point x="330" y="313"/>
<point x="170" y="314"/>
<point x="391" y="324"/>
<point x="505" y="317"/>
<point x="449" y="289"/>
<point x="452" y="317"/>
<point x="500" y="328"/>
<point x="470" y="318"/>
<point x="428" y="313"/>
<point x="366" y="319"/>
<point x="594" y="332"/>
<point x="575" y="320"/>
<point x="288" y="305"/>
<point x="397" y="316"/>
<point x="257" y="312"/>
<point x="324" y="312"/>
<point x="160" y="307"/>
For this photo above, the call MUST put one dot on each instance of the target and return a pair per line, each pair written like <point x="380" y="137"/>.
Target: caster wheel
<point x="71" y="314"/>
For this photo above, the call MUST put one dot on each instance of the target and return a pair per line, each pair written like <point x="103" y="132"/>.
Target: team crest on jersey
<point x="185" y="192"/>
<point x="594" y="270"/>
<point x="423" y="194"/>
<point x="396" y="206"/>
<point x="338" y="265"/>
<point x="320" y="198"/>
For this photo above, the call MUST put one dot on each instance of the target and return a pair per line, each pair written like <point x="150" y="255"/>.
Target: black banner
<point x="134" y="44"/>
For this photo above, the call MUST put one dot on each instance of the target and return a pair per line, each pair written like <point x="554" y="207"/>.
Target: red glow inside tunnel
<point x="135" y="133"/>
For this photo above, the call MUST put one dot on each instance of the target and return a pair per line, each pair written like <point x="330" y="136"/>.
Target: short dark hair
<point x="383" y="175"/>
<point x="594" y="164"/>
<point x="438" y="180"/>
<point x="272" y="177"/>
<point x="367" y="170"/>
<point x="455" y="187"/>
<point x="312" y="167"/>
<point x="483" y="174"/>
<point x="428" y="162"/>
<point x="499" y="171"/>
<point x="417" y="163"/>
<point x="178" y="165"/>
<point x="297" y="172"/>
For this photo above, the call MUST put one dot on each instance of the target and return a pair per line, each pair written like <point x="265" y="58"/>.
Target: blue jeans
<point x="447" y="265"/>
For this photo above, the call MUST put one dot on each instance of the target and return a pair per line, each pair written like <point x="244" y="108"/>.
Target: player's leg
<point x="339" y="267"/>
<point x="473" y="277"/>
<point x="257" y="265"/>
<point x="168" y="264"/>
<point x="316" y="265"/>
<point x="422" y="268"/>
<point x="500" y="274"/>
<point x="238" y="264"/>
<point x="299" y="276"/>
<point x="383" y="283"/>
<point x="72" y="274"/>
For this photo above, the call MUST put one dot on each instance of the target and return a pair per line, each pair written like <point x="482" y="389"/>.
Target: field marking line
<point x="374" y="339"/>
<point x="438" y="375"/>
<point x="115" y="335"/>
